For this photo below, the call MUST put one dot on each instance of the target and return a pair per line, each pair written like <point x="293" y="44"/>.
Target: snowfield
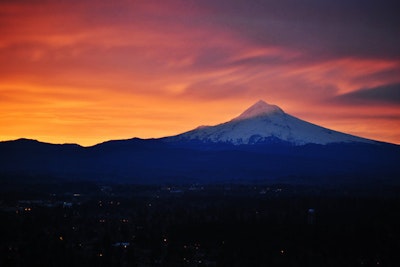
<point x="262" y="123"/>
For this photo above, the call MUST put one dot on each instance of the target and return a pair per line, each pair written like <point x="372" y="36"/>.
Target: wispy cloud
<point x="124" y="63"/>
<point x="384" y="94"/>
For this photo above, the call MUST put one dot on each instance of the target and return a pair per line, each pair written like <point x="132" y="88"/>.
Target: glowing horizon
<point x="90" y="71"/>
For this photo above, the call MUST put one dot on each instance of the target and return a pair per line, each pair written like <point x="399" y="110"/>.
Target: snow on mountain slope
<point x="263" y="123"/>
<point x="259" y="109"/>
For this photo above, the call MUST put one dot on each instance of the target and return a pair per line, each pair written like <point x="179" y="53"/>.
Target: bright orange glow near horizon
<point x="90" y="71"/>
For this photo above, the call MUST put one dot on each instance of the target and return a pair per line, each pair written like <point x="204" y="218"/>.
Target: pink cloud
<point x="124" y="64"/>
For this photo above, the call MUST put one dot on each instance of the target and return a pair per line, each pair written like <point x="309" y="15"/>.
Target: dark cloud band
<point x="385" y="94"/>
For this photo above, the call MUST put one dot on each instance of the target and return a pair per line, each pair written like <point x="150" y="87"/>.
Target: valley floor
<point x="84" y="224"/>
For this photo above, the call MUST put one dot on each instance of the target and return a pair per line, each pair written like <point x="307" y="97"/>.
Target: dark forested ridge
<point x="155" y="161"/>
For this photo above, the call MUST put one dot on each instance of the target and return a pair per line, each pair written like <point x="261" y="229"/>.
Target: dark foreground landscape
<point x="263" y="189"/>
<point x="87" y="224"/>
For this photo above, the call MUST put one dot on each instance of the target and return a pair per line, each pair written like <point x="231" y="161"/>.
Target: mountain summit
<point x="260" y="108"/>
<point x="265" y="123"/>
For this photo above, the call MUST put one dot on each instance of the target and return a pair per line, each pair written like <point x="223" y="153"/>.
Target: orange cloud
<point x="89" y="71"/>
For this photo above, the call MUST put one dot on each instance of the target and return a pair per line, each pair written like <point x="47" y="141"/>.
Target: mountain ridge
<point x="184" y="158"/>
<point x="262" y="123"/>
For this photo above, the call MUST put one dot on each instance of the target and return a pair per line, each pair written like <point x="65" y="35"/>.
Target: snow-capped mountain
<point x="264" y="123"/>
<point x="211" y="155"/>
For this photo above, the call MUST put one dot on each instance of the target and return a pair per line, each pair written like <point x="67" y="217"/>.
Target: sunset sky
<point x="89" y="71"/>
